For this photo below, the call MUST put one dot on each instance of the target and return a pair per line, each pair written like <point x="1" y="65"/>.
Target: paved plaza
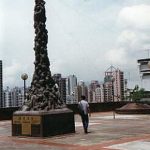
<point x="126" y="132"/>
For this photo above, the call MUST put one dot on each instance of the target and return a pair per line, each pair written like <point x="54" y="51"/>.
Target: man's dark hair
<point x="83" y="97"/>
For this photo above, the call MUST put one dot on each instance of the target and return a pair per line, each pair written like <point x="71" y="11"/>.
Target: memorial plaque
<point x="16" y="119"/>
<point x="26" y="129"/>
<point x="27" y="123"/>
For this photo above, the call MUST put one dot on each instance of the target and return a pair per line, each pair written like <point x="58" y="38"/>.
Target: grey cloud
<point x="81" y="35"/>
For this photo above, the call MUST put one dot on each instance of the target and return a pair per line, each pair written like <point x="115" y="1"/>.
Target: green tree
<point x="137" y="93"/>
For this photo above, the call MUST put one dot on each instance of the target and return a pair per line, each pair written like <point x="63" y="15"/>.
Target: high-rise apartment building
<point x="118" y="85"/>
<point x="61" y="85"/>
<point x="1" y="84"/>
<point x="99" y="94"/>
<point x="81" y="89"/>
<point x="93" y="85"/>
<point x="13" y="97"/>
<point x="113" y="85"/>
<point x="71" y="84"/>
<point x="108" y="92"/>
<point x="90" y="95"/>
<point x="91" y="91"/>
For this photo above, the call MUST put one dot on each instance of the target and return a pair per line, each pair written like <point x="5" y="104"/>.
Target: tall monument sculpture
<point x="43" y="113"/>
<point x="43" y="94"/>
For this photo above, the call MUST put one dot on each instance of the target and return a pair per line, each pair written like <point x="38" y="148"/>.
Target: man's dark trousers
<point x="85" y="122"/>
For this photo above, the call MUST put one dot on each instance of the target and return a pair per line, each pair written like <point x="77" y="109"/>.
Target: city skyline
<point x="85" y="38"/>
<point x="111" y="90"/>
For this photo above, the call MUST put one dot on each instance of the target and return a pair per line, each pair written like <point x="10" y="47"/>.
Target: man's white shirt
<point x="84" y="105"/>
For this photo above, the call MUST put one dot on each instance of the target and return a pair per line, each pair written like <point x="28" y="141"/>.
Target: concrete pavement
<point x="126" y="132"/>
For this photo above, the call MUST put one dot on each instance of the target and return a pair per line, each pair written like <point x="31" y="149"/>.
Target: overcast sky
<point x="85" y="38"/>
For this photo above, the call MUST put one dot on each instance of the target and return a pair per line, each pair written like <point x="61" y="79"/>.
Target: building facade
<point x="113" y="85"/>
<point x="13" y="97"/>
<point x="1" y="84"/>
<point x="92" y="91"/>
<point x="81" y="89"/>
<point x="61" y="85"/>
<point x="118" y="85"/>
<point x="99" y="94"/>
<point x="71" y="84"/>
<point x="144" y="68"/>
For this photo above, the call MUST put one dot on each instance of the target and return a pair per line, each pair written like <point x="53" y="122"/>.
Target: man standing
<point x="84" y="110"/>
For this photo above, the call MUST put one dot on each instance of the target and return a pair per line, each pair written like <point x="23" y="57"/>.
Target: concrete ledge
<point x="133" y="111"/>
<point x="43" y="123"/>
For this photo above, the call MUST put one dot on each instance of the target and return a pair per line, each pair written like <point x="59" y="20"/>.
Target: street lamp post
<point x="112" y="80"/>
<point x="24" y="77"/>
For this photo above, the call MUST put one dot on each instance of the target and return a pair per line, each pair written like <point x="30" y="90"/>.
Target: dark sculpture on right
<point x="44" y="93"/>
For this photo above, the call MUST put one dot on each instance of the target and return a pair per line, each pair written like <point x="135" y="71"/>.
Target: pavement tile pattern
<point x="126" y="132"/>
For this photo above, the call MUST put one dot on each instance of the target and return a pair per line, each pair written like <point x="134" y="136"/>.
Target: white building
<point x="71" y="84"/>
<point x="13" y="97"/>
<point x="99" y="94"/>
<point x="144" y="68"/>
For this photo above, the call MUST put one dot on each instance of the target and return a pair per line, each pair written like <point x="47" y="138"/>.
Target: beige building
<point x="99" y="94"/>
<point x="118" y="85"/>
<point x="92" y="91"/>
<point x="113" y="85"/>
<point x="81" y="89"/>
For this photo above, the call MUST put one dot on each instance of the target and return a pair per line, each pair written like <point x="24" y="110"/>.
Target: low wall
<point x="99" y="107"/>
<point x="6" y="113"/>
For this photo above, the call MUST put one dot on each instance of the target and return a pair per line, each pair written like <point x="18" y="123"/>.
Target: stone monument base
<point x="43" y="123"/>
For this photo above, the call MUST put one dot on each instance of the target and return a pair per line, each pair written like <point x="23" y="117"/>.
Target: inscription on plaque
<point x="16" y="119"/>
<point x="26" y="129"/>
<point x="26" y="123"/>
